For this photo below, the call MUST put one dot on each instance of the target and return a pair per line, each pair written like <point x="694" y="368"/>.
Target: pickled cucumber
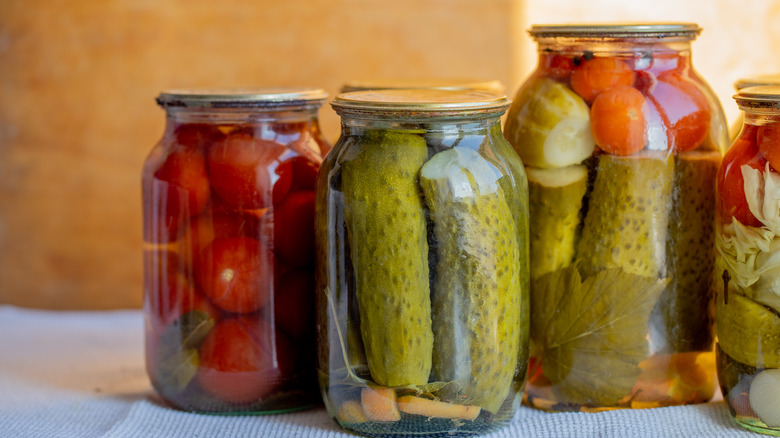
<point x="747" y="331"/>
<point x="550" y="125"/>
<point x="628" y="215"/>
<point x="477" y="291"/>
<point x="683" y="318"/>
<point x="555" y="198"/>
<point x="386" y="228"/>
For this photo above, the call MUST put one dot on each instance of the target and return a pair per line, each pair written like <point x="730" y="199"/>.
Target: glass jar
<point x="422" y="265"/>
<point x="748" y="249"/>
<point x="228" y="216"/>
<point x="621" y="140"/>
<point x="750" y="81"/>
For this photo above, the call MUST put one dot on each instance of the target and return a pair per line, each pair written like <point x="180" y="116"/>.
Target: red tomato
<point x="174" y="189"/>
<point x="289" y="128"/>
<point x="768" y="139"/>
<point x="617" y="119"/>
<point x="293" y="225"/>
<point x="236" y="273"/>
<point x="731" y="201"/>
<point x="684" y="109"/>
<point x="210" y="225"/>
<point x="600" y="74"/>
<point x="244" y="360"/>
<point x="238" y="167"/>
<point x="294" y="304"/>
<point x="198" y="135"/>
<point x="666" y="62"/>
<point x="556" y="66"/>
<point x="295" y="173"/>
<point x="169" y="291"/>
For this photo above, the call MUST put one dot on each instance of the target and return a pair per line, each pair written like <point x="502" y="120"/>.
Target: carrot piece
<point x="431" y="408"/>
<point x="379" y="404"/>
<point x="351" y="412"/>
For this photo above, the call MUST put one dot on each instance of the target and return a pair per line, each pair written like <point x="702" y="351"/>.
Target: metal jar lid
<point x="420" y="103"/>
<point x="754" y="81"/>
<point x="763" y="96"/>
<point x="242" y="97"/>
<point x="444" y="83"/>
<point x="686" y="31"/>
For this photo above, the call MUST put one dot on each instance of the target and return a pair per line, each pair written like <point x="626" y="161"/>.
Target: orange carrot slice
<point x="431" y="408"/>
<point x="379" y="404"/>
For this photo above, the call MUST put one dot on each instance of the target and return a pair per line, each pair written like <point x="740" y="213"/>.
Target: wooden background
<point x="78" y="80"/>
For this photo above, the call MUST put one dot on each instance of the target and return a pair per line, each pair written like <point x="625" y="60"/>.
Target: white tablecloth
<point x="81" y="374"/>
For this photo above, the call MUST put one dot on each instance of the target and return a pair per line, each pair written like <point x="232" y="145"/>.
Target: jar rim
<point x="264" y="97"/>
<point x="386" y="83"/>
<point x="616" y="30"/>
<point x="420" y="103"/>
<point x="762" y="96"/>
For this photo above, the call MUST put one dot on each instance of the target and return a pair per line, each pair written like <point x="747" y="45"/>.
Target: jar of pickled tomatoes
<point x="422" y="263"/>
<point x="748" y="253"/>
<point x="621" y="140"/>
<point x="228" y="227"/>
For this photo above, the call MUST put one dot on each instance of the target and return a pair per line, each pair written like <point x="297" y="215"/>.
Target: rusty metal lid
<point x="270" y="97"/>
<point x="754" y="81"/>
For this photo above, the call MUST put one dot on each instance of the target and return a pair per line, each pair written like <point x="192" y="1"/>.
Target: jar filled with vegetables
<point x="748" y="264"/>
<point x="228" y="216"/>
<point x="621" y="141"/>
<point x="422" y="265"/>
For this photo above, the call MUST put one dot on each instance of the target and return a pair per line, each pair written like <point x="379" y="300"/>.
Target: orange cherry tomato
<point x="617" y="120"/>
<point x="238" y="168"/>
<point x="600" y="74"/>
<point x="768" y="139"/>
<point x="236" y="273"/>
<point x="175" y="187"/>
<point x="731" y="200"/>
<point x="684" y="109"/>
<point x="243" y="360"/>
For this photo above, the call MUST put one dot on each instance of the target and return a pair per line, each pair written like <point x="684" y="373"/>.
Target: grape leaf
<point x="177" y="354"/>
<point x="592" y="332"/>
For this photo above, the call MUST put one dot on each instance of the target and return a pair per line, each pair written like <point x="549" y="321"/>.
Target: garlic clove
<point x="765" y="397"/>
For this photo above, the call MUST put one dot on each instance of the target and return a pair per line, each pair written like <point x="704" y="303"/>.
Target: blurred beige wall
<point x="77" y="114"/>
<point x="78" y="80"/>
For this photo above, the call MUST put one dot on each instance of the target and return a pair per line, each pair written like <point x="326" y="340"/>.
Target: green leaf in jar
<point x="177" y="352"/>
<point x="592" y="331"/>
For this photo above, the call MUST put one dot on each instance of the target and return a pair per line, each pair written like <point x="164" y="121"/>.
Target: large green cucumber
<point x="477" y="289"/>
<point x="628" y="215"/>
<point x="555" y="199"/>
<point x="387" y="231"/>
<point x="683" y="319"/>
<point x="748" y="331"/>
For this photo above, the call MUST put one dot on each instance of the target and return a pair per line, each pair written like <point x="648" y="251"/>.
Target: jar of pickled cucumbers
<point x="422" y="265"/>
<point x="748" y="264"/>
<point x="750" y="81"/>
<point x="228" y="217"/>
<point x="621" y="141"/>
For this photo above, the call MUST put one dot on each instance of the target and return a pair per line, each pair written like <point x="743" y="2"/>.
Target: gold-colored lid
<point x="754" y="81"/>
<point x="420" y="103"/>
<point x="443" y="83"/>
<point x="241" y="97"/>
<point x="762" y="96"/>
<point x="627" y="30"/>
